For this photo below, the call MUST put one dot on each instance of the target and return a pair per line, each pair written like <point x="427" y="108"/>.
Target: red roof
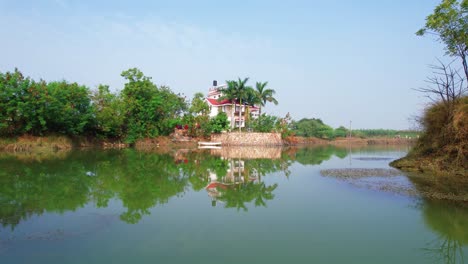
<point x="215" y="185"/>
<point x="213" y="101"/>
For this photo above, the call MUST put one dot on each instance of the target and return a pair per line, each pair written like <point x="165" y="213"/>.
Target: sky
<point x="339" y="60"/>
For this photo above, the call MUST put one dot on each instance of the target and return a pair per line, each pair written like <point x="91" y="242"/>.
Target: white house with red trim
<point x="216" y="106"/>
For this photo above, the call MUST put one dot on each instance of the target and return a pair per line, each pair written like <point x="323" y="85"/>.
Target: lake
<point x="233" y="205"/>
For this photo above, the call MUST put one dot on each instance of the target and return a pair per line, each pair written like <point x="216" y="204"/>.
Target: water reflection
<point x="450" y="222"/>
<point x="232" y="178"/>
<point x="34" y="186"/>
<point x="240" y="184"/>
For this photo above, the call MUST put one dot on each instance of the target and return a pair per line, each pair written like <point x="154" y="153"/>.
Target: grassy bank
<point x="50" y="144"/>
<point x="443" y="148"/>
<point x="36" y="144"/>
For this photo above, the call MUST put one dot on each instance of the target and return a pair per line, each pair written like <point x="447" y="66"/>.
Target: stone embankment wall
<point x="248" y="139"/>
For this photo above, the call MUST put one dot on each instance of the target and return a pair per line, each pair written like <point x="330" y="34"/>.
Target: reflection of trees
<point x="139" y="180"/>
<point x="316" y="155"/>
<point x="242" y="183"/>
<point x="32" y="188"/>
<point x="450" y="222"/>
<point x="241" y="194"/>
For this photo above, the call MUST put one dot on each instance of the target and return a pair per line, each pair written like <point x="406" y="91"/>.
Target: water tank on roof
<point x="215" y="83"/>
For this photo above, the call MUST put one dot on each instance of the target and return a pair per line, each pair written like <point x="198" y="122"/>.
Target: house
<point x="231" y="110"/>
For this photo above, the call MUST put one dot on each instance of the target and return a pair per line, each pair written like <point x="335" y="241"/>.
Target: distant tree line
<point x="315" y="127"/>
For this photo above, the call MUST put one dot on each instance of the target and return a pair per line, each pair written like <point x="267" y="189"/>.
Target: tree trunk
<point x="233" y="108"/>
<point x="240" y="114"/>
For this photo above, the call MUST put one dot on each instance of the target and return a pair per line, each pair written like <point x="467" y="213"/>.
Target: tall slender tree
<point x="229" y="93"/>
<point x="264" y="95"/>
<point x="236" y="92"/>
<point x="241" y="91"/>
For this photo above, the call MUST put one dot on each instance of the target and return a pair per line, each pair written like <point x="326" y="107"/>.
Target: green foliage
<point x="219" y="123"/>
<point x="264" y="123"/>
<point x="39" y="108"/>
<point x="198" y="105"/>
<point x="449" y="23"/>
<point x="29" y="107"/>
<point x="69" y="108"/>
<point x="365" y="133"/>
<point x="312" y="127"/>
<point x="22" y="105"/>
<point x="264" y="95"/>
<point x="341" y="132"/>
<point x="150" y="111"/>
<point x="109" y="110"/>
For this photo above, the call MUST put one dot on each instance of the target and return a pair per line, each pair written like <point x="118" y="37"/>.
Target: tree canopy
<point x="449" y="23"/>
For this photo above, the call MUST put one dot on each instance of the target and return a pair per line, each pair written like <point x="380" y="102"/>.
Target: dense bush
<point x="312" y="128"/>
<point x="264" y="123"/>
<point x="40" y="108"/>
<point x="219" y="123"/>
<point x="29" y="107"/>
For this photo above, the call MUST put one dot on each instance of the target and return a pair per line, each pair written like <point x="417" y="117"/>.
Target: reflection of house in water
<point x="236" y="175"/>
<point x="248" y="152"/>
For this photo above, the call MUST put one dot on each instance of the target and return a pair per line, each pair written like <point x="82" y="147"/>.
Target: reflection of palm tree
<point x="246" y="193"/>
<point x="265" y="193"/>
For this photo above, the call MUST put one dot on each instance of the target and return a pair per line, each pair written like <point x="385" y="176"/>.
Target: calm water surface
<point x="229" y="206"/>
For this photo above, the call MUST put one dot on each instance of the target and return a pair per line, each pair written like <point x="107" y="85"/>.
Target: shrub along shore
<point x="443" y="148"/>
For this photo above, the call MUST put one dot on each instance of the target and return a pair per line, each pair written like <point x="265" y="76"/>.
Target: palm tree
<point x="241" y="91"/>
<point x="265" y="95"/>
<point x="236" y="91"/>
<point x="251" y="97"/>
<point x="230" y="93"/>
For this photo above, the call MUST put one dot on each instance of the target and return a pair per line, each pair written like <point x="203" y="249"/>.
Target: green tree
<point x="341" y="132"/>
<point x="219" y="123"/>
<point x="236" y="92"/>
<point x="449" y="23"/>
<point x="264" y="123"/>
<point x="22" y="105"/>
<point x="109" y="110"/>
<point x="312" y="128"/>
<point x="264" y="95"/>
<point x="68" y="109"/>
<point x="150" y="111"/>
<point x="251" y="98"/>
<point x="199" y="106"/>
<point x="229" y="93"/>
<point x="241" y="90"/>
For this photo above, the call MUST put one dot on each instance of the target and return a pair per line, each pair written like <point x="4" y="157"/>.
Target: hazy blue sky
<point x="334" y="60"/>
